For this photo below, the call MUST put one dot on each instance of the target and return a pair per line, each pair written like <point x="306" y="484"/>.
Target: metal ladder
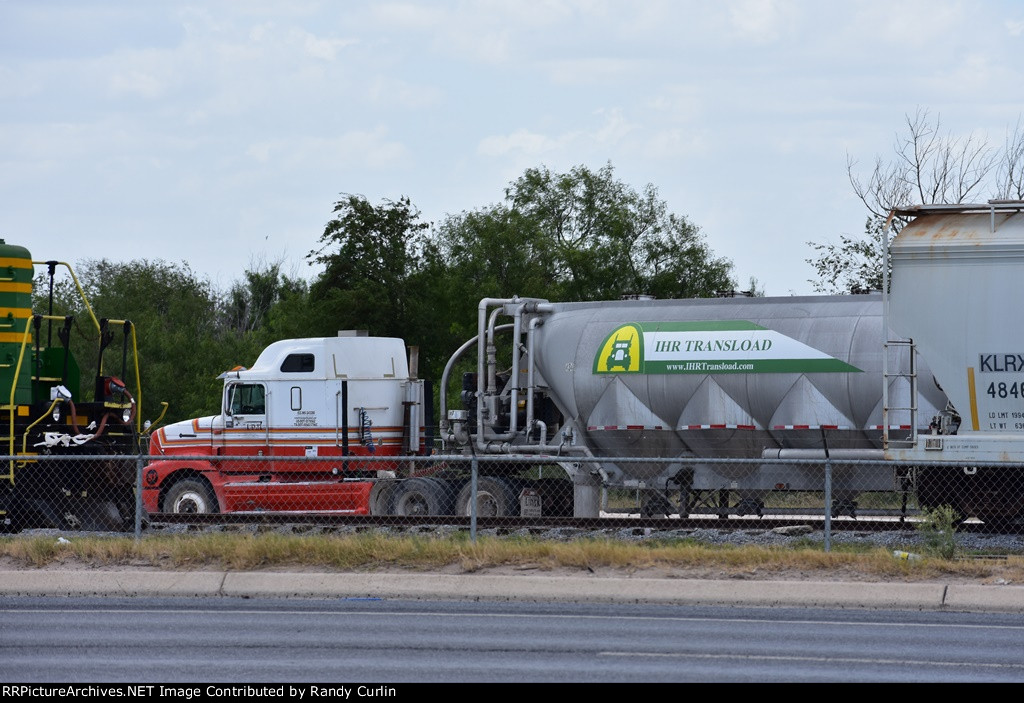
<point x="887" y="410"/>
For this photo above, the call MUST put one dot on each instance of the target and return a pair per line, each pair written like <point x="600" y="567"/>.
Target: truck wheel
<point x="190" y="496"/>
<point x="423" y="496"/>
<point x="494" y="498"/>
<point x="382" y="496"/>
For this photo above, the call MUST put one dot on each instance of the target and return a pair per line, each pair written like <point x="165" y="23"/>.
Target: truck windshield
<point x="248" y="399"/>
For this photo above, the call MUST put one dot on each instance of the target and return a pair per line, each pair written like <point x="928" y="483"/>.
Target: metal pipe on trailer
<point x="445" y="376"/>
<point x="531" y="331"/>
<point x="484" y="324"/>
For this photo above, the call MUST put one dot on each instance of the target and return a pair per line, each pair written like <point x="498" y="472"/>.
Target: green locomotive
<point x="68" y="462"/>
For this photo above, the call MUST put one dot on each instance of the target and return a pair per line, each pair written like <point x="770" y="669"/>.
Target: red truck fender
<point x="197" y="480"/>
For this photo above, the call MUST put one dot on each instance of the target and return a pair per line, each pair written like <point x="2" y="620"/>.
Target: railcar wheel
<point x="423" y="496"/>
<point x="494" y="498"/>
<point x="657" y="505"/>
<point x="1002" y="523"/>
<point x="941" y="485"/>
<point x="191" y="497"/>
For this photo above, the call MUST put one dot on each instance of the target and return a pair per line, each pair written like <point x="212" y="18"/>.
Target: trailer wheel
<point x="494" y="498"/>
<point x="556" y="496"/>
<point x="424" y="496"/>
<point x="190" y="496"/>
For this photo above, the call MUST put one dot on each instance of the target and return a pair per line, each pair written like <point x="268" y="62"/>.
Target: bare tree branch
<point x="929" y="165"/>
<point x="1010" y="181"/>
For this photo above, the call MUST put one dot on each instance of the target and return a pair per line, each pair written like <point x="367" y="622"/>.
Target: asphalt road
<point x="196" y="641"/>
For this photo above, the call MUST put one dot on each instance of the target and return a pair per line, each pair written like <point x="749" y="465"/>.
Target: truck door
<point x="246" y="424"/>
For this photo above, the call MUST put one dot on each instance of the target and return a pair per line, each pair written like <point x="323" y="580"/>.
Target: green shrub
<point x="937" y="529"/>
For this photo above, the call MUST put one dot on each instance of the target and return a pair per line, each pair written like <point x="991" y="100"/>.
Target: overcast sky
<point x="221" y="133"/>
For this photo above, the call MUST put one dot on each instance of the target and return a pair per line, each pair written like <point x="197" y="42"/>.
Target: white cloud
<point x="615" y="128"/>
<point x="408" y="15"/>
<point x="676" y="143"/>
<point x="572" y="145"/>
<point x="594" y="70"/>
<point x="371" y="149"/>
<point x="519" y="142"/>
<point x="136" y="82"/>
<point x="762" y="21"/>
<point x="678" y="103"/>
<point x="324" y="48"/>
<point x="389" y="91"/>
<point x="933" y="25"/>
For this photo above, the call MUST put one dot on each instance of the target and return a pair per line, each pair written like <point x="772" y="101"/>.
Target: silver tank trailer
<point x="727" y="377"/>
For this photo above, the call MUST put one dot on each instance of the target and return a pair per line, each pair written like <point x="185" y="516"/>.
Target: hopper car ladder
<point x="888" y="411"/>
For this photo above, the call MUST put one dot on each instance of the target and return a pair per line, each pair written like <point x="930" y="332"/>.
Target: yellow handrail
<point x="78" y="285"/>
<point x="152" y="425"/>
<point x="138" y="382"/>
<point x="11" y="407"/>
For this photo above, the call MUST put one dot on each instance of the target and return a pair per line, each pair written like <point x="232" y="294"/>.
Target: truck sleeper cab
<point x="291" y="431"/>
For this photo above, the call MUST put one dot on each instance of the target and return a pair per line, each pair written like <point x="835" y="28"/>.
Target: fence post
<point x="828" y="504"/>
<point x="474" y="471"/>
<point x="139" y="464"/>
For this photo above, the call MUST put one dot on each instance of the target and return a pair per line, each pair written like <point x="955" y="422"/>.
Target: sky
<point x="221" y="133"/>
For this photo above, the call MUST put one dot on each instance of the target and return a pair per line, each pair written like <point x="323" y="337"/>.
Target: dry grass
<point x="372" y="551"/>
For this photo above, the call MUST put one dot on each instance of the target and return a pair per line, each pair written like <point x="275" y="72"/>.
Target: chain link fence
<point x="128" y="493"/>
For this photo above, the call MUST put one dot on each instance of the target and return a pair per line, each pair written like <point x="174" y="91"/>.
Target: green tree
<point x="370" y="254"/>
<point x="266" y="306"/>
<point x="183" y="335"/>
<point x="606" y="239"/>
<point x="581" y="235"/>
<point x="855" y="264"/>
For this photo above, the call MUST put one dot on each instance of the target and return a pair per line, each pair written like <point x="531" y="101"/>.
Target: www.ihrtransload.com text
<point x="193" y="692"/>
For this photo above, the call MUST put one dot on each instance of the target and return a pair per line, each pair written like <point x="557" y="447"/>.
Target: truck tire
<point x="190" y="496"/>
<point x="494" y="498"/>
<point x="382" y="496"/>
<point x="424" y="496"/>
